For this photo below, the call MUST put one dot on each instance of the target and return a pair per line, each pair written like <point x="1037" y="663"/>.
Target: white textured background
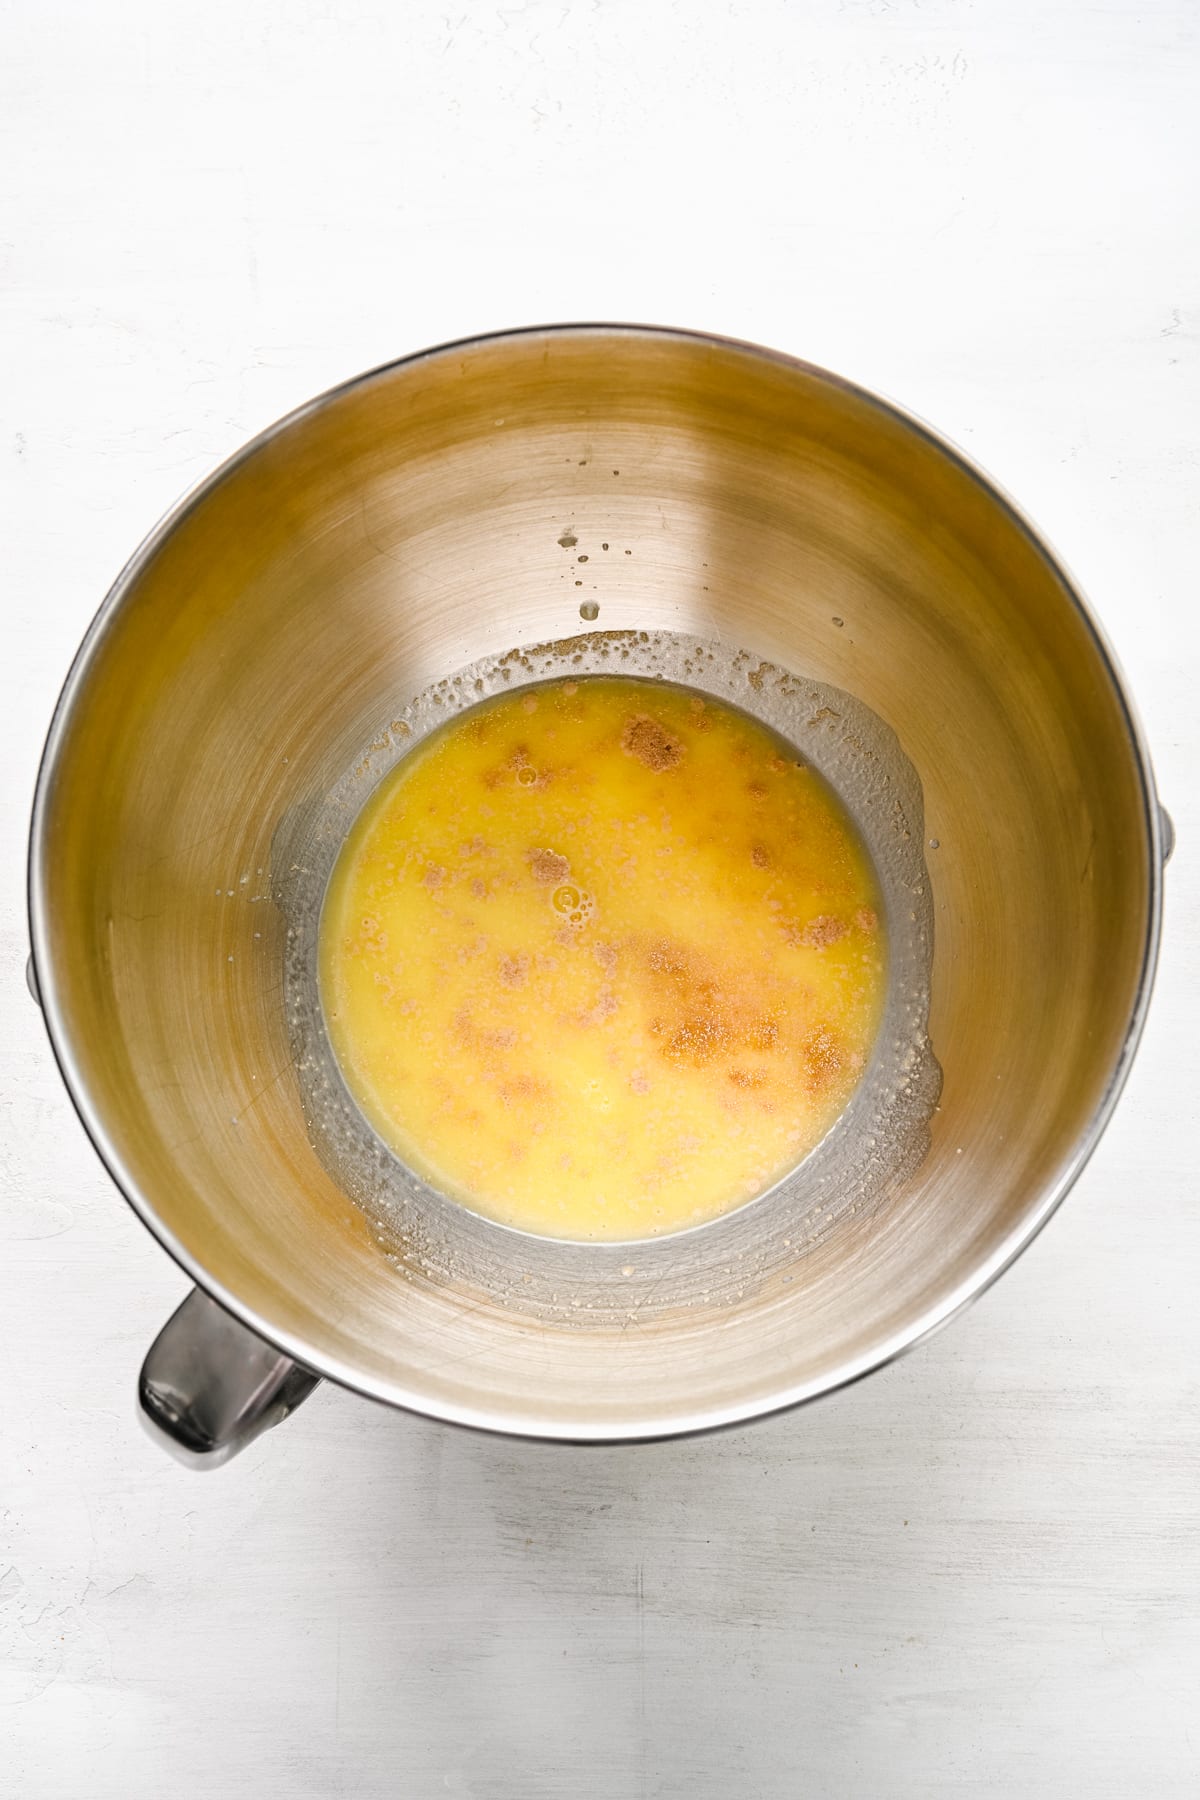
<point x="978" y="1573"/>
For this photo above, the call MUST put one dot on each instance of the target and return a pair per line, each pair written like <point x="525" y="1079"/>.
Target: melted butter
<point x="601" y="959"/>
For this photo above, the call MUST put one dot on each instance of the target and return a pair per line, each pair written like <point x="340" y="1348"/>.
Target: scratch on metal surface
<point x="262" y="1090"/>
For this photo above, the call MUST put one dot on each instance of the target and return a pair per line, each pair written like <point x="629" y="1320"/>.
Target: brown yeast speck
<point x="747" y="1078"/>
<point x="823" y="930"/>
<point x="698" y="1039"/>
<point x="605" y="1006"/>
<point x="513" y="970"/>
<point x="760" y="856"/>
<point x="762" y="1034"/>
<point x="822" y="1055"/>
<point x="523" y="1087"/>
<point x="651" y="743"/>
<point x="547" y="867"/>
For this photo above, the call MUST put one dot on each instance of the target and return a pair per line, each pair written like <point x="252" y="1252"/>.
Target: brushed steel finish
<point x="419" y="519"/>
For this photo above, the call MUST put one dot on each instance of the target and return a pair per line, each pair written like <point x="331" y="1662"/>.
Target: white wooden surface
<point x="978" y="1573"/>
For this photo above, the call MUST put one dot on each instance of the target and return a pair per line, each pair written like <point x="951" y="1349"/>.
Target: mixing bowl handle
<point x="209" y="1385"/>
<point x="1166" y="832"/>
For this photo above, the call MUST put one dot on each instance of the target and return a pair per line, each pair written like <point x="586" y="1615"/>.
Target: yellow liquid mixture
<point x="602" y="959"/>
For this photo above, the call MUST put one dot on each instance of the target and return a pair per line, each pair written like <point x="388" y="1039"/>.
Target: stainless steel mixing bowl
<point x="267" y="644"/>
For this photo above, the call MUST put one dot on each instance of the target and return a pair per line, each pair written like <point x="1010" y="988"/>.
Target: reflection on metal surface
<point x="276" y="629"/>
